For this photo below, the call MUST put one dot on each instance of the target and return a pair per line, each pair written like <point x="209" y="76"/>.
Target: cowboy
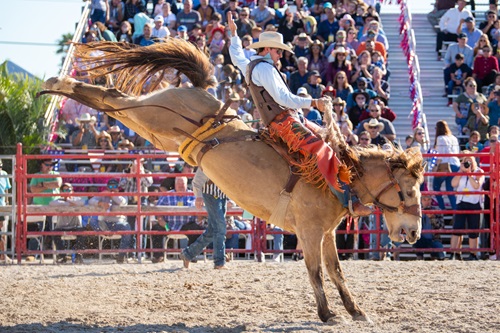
<point x="277" y="106"/>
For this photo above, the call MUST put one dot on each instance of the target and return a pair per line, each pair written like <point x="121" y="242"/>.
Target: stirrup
<point x="351" y="211"/>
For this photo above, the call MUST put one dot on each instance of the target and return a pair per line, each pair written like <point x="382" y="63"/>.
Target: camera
<point x="497" y="93"/>
<point x="466" y="164"/>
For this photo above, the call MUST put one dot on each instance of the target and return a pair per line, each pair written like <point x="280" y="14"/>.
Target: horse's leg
<point x="331" y="258"/>
<point x="311" y="247"/>
<point x="96" y="97"/>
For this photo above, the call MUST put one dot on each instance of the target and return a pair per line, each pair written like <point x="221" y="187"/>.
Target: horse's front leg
<point x="311" y="246"/>
<point x="331" y="258"/>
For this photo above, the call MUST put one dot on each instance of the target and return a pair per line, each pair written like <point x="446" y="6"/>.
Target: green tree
<point x="64" y="46"/>
<point x="21" y="113"/>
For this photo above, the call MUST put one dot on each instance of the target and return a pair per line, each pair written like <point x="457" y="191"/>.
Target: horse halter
<point x="393" y="182"/>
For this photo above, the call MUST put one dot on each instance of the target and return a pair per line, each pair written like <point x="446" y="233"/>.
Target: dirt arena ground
<point x="428" y="296"/>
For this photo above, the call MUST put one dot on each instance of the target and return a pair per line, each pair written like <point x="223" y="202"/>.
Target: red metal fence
<point x="25" y="211"/>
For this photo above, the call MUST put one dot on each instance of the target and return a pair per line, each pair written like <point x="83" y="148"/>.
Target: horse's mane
<point x="138" y="69"/>
<point x="411" y="159"/>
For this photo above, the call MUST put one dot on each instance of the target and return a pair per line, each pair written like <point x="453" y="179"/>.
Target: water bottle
<point x="73" y="257"/>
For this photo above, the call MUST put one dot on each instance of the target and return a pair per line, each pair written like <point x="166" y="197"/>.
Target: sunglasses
<point x="373" y="127"/>
<point x="279" y="51"/>
<point x="420" y="133"/>
<point x="112" y="187"/>
<point x="490" y="141"/>
<point x="364" y="139"/>
<point x="67" y="190"/>
<point x="374" y="110"/>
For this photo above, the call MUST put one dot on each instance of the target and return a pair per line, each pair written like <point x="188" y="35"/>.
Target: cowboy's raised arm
<point x="235" y="49"/>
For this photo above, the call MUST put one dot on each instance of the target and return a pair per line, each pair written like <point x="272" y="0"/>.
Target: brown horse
<point x="250" y="172"/>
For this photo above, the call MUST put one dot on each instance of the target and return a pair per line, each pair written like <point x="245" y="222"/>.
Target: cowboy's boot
<point x="351" y="202"/>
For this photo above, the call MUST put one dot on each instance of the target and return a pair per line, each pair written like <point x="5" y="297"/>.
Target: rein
<point x="393" y="183"/>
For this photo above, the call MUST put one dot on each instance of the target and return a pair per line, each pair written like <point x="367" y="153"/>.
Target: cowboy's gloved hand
<point x="322" y="102"/>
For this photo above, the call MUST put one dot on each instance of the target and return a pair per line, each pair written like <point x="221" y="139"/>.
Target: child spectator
<point x="217" y="42"/>
<point x="459" y="71"/>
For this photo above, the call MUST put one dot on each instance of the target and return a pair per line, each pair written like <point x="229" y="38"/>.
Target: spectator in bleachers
<point x="462" y="183"/>
<point x="104" y="141"/>
<point x="263" y="14"/>
<point x="485" y="67"/>
<point x="340" y="64"/>
<point x="386" y="131"/>
<point x="146" y="38"/>
<point x="99" y="11"/>
<point x="290" y="25"/>
<point x="341" y="85"/>
<point x="133" y="7"/>
<point x="244" y="23"/>
<point x="430" y="222"/>
<point x="458" y="72"/>
<point x="419" y="140"/>
<point x="473" y="33"/>
<point x="440" y="8"/>
<point x="159" y="32"/>
<point x="116" y="12"/>
<point x="125" y="32"/>
<point x="363" y="67"/>
<point x="491" y="143"/>
<point x="351" y="39"/>
<point x="345" y="22"/>
<point x="340" y="41"/>
<point x="188" y="17"/>
<point x="370" y="44"/>
<point x="313" y="86"/>
<point x="379" y="62"/>
<point x="69" y="223"/>
<point x="113" y="223"/>
<point x="116" y="135"/>
<point x="375" y="127"/>
<point x="381" y="87"/>
<point x="362" y="85"/>
<point x="462" y="105"/>
<point x="449" y="24"/>
<point x="215" y="22"/>
<point x="195" y="33"/>
<point x="105" y="33"/>
<point x="206" y="12"/>
<point x="71" y="111"/>
<point x="327" y="29"/>
<point x="445" y="143"/>
<point x="482" y="42"/>
<point x="310" y="113"/>
<point x="301" y="44"/>
<point x="494" y="130"/>
<point x="487" y="26"/>
<point x="182" y="33"/>
<point x="367" y="19"/>
<point x="169" y="18"/>
<point x="299" y="77"/>
<point x="86" y="135"/>
<point x="158" y="7"/>
<point x="233" y="8"/>
<point x="173" y="223"/>
<point x="361" y="99"/>
<point x="478" y="120"/>
<point x="494" y="108"/>
<point x="5" y="186"/>
<point x="474" y="145"/>
<point x="378" y="35"/>
<point x="386" y="112"/>
<point x="491" y="88"/>
<point x="217" y="43"/>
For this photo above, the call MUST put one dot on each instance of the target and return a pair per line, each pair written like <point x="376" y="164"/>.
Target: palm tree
<point x="64" y="45"/>
<point x="21" y="112"/>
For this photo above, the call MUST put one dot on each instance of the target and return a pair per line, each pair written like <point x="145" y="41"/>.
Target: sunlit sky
<point x="25" y="23"/>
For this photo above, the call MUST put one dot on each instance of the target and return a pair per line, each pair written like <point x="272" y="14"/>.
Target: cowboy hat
<point x="339" y="49"/>
<point x="364" y="93"/>
<point x="338" y="100"/>
<point x="104" y="135"/>
<point x="85" y="118"/>
<point x="271" y="39"/>
<point x="114" y="129"/>
<point x="372" y="123"/>
<point x="329" y="89"/>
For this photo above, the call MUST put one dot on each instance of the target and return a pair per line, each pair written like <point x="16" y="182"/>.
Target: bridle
<point x="393" y="183"/>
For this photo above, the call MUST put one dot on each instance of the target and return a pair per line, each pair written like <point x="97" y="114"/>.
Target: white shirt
<point x="163" y="32"/>
<point x="464" y="185"/>
<point x="448" y="144"/>
<point x="267" y="76"/>
<point x="451" y="19"/>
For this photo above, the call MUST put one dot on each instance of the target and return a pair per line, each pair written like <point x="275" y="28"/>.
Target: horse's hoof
<point x="336" y="320"/>
<point x="362" y="317"/>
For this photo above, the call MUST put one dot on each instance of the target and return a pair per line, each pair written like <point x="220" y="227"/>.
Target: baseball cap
<point x="462" y="35"/>
<point x="159" y="18"/>
<point x="327" y="5"/>
<point x="302" y="91"/>
<point x="469" y="19"/>
<point x="182" y="28"/>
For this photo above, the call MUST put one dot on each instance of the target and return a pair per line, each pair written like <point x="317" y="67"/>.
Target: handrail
<point x="50" y="117"/>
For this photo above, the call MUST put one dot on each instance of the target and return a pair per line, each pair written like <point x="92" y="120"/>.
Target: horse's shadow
<point x="65" y="326"/>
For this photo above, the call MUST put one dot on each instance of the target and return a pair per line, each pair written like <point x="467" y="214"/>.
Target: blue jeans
<point x="126" y="239"/>
<point x="215" y="232"/>
<point x="278" y="239"/>
<point x="436" y="186"/>
<point x="424" y="243"/>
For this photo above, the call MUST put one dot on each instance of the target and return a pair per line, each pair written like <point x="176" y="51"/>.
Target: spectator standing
<point x="430" y="222"/>
<point x="445" y="143"/>
<point x="440" y="8"/>
<point x="467" y="183"/>
<point x="108" y="203"/>
<point x="473" y="34"/>
<point x="420" y="141"/>
<point x="263" y="14"/>
<point x="4" y="220"/>
<point x="215" y="201"/>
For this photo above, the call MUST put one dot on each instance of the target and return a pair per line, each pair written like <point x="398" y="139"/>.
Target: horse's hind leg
<point x="331" y="258"/>
<point x="311" y="246"/>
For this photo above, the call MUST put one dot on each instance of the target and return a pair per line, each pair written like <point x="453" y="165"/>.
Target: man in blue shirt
<point x="328" y="28"/>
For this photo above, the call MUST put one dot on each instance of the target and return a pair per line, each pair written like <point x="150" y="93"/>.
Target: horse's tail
<point x="138" y="69"/>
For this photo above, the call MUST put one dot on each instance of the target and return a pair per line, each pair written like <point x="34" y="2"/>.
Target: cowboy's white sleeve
<point x="238" y="56"/>
<point x="265" y="75"/>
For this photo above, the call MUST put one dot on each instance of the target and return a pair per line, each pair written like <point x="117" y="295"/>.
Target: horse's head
<point x="391" y="181"/>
